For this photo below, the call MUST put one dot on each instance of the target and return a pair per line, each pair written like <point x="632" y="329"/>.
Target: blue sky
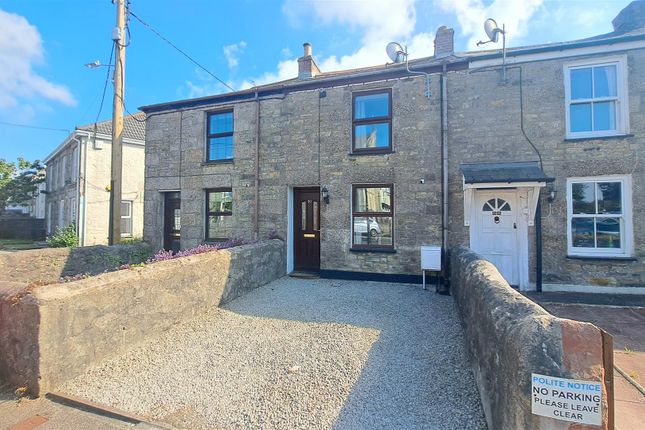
<point x="46" y="43"/>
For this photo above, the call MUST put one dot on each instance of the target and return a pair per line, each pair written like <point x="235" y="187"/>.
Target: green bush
<point x="65" y="237"/>
<point x="130" y="240"/>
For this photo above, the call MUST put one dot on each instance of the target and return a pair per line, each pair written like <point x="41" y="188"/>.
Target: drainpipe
<point x="256" y="227"/>
<point x="83" y="220"/>
<point x="444" y="175"/>
<point x="538" y="247"/>
<point x="78" y="185"/>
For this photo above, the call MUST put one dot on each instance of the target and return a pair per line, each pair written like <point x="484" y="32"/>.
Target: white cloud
<point x="376" y="21"/>
<point x="286" y="69"/>
<point x="532" y="21"/>
<point x="20" y="50"/>
<point x="232" y="53"/>
<point x="471" y="15"/>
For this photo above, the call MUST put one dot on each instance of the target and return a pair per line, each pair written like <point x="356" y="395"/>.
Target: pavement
<point x="45" y="414"/>
<point x="302" y="354"/>
<point x="627" y="326"/>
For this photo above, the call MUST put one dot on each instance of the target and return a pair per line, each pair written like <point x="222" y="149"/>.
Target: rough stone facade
<point x="484" y="124"/>
<point x="289" y="158"/>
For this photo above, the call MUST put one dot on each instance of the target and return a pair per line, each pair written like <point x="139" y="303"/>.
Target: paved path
<point x="296" y="354"/>
<point x="627" y="327"/>
<point x="43" y="414"/>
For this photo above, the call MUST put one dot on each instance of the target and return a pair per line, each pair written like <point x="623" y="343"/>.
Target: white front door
<point x="494" y="231"/>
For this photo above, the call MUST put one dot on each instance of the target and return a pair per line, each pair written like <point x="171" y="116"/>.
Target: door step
<point x="304" y="275"/>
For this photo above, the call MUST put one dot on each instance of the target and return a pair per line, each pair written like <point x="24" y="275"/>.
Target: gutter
<point x="311" y="84"/>
<point x="84" y="219"/>
<point x="79" y="132"/>
<point x="557" y="47"/>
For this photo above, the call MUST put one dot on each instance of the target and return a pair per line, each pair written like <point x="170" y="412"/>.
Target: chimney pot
<point x="444" y="42"/>
<point x="307" y="67"/>
<point x="307" y="49"/>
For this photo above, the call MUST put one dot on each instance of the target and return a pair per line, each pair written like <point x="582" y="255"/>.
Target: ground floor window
<point x="126" y="218"/>
<point x="599" y="216"/>
<point x="373" y="216"/>
<point x="219" y="211"/>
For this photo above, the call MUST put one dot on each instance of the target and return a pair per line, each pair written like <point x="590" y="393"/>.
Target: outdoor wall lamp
<point x="552" y="194"/>
<point x="325" y="194"/>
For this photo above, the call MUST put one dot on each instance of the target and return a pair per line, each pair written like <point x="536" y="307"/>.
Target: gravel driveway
<point x="302" y="354"/>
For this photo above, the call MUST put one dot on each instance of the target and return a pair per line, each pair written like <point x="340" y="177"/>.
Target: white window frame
<point x="129" y="217"/>
<point x="622" y="97"/>
<point x="51" y="176"/>
<point x="627" y="238"/>
<point x="63" y="171"/>
<point x="72" y="212"/>
<point x="61" y="214"/>
<point x="75" y="163"/>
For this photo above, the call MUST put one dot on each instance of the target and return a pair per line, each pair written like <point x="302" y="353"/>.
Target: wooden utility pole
<point x="118" y="35"/>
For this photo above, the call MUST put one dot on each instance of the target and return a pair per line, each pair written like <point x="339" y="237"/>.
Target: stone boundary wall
<point x="49" y="264"/>
<point x="508" y="337"/>
<point x="56" y="332"/>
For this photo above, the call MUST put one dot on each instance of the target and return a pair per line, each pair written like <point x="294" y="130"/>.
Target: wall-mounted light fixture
<point x="553" y="193"/>
<point x="325" y="194"/>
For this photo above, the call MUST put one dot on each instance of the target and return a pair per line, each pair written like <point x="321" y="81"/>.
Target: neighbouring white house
<point x="78" y="179"/>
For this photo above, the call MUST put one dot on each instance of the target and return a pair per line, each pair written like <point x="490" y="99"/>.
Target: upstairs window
<point x="372" y="217"/>
<point x="372" y="122"/>
<point x="219" y="144"/>
<point x="219" y="214"/>
<point x="596" y="100"/>
<point x="599" y="211"/>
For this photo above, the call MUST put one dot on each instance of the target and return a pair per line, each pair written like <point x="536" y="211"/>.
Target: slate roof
<point x="134" y="127"/>
<point x="390" y="70"/>
<point x="524" y="171"/>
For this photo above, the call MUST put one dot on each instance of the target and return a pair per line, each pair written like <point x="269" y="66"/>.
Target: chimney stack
<point x="630" y="18"/>
<point x="307" y="67"/>
<point x="444" y="42"/>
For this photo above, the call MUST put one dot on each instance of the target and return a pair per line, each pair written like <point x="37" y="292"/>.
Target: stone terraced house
<point x="78" y="180"/>
<point x="536" y="163"/>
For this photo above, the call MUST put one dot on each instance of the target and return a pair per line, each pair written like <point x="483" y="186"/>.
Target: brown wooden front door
<point x="172" y="221"/>
<point x="307" y="229"/>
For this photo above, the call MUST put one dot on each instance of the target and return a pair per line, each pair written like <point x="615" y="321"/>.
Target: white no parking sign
<point x="566" y="399"/>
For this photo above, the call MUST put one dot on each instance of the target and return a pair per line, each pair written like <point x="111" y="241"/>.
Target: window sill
<point x="215" y="162"/>
<point x="600" y="258"/>
<point x="609" y="137"/>
<point x="377" y="250"/>
<point x="372" y="152"/>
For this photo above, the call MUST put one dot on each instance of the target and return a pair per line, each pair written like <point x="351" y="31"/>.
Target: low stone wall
<point x="509" y="337"/>
<point x="49" y="264"/>
<point x="56" y="332"/>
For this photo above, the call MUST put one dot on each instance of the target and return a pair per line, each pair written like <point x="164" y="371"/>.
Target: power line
<point x="107" y="79"/>
<point x="13" y="124"/>
<point x="178" y="49"/>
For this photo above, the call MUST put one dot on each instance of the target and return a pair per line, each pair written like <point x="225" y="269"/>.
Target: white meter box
<point x="431" y="258"/>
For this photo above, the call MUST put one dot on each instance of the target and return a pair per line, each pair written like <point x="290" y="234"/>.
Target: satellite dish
<point x="396" y="52"/>
<point x="491" y="29"/>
